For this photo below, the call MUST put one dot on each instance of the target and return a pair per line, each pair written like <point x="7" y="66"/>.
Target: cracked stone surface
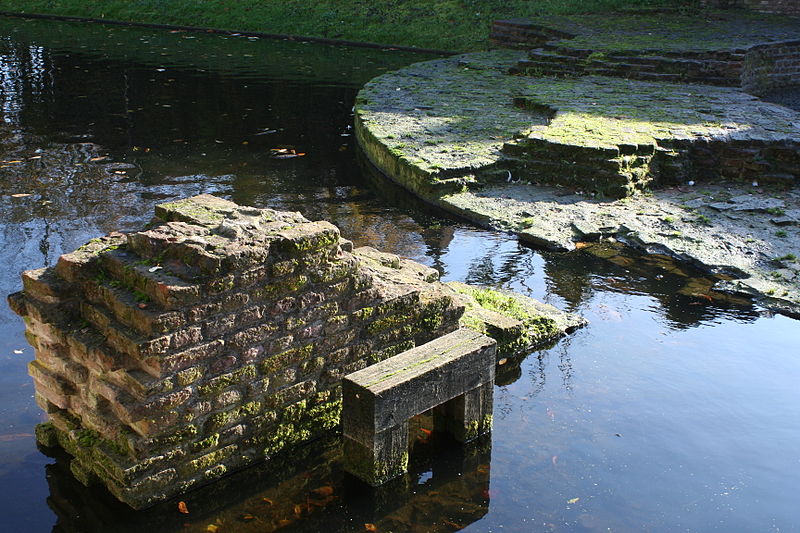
<point x="452" y="149"/>
<point x="751" y="236"/>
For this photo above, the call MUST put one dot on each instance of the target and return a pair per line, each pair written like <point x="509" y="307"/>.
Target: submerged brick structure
<point x="453" y="375"/>
<point x="216" y="338"/>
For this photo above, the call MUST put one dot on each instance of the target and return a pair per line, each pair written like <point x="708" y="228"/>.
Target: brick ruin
<point x="781" y="7"/>
<point x="216" y="338"/>
<point x="757" y="68"/>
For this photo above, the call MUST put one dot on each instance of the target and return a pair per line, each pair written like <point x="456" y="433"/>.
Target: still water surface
<point x="675" y="410"/>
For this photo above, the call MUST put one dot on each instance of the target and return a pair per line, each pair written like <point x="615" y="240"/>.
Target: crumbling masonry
<point x="219" y="336"/>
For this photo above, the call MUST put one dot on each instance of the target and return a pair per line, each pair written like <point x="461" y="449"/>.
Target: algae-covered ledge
<point x="219" y="336"/>
<point x="704" y="174"/>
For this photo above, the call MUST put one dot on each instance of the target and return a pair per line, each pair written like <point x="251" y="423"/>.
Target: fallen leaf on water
<point x="267" y="501"/>
<point x="453" y="525"/>
<point x="35" y="157"/>
<point x="298" y="510"/>
<point x="98" y="158"/>
<point x="20" y="195"/>
<point x="142" y="306"/>
<point x="13" y="162"/>
<point x="581" y="245"/>
<point x="426" y="431"/>
<point x="370" y="527"/>
<point x="502" y="361"/>
<point x="285" y="152"/>
<point x="182" y="507"/>
<point x="327" y="490"/>
<point x="284" y="522"/>
<point x="247" y="517"/>
<point x="573" y="500"/>
<point x="212" y="528"/>
<point x="482" y="469"/>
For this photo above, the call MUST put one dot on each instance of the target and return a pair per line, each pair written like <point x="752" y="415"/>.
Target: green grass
<point x="440" y="24"/>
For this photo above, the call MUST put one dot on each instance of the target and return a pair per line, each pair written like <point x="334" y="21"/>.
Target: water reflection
<point x="446" y="488"/>
<point x="675" y="409"/>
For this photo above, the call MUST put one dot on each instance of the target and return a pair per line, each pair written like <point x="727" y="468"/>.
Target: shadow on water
<point x="675" y="409"/>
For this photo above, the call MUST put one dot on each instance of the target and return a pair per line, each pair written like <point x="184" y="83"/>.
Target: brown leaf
<point x="327" y="490"/>
<point x="20" y="195"/>
<point x="370" y="527"/>
<point x="182" y="507"/>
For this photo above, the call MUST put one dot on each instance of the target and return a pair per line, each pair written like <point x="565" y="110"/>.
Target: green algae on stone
<point x="515" y="321"/>
<point x="609" y="135"/>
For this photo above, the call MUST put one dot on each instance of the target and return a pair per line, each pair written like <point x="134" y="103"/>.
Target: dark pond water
<point x="675" y="410"/>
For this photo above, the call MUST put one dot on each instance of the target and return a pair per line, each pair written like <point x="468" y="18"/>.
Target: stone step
<point x="453" y="373"/>
<point x="549" y="57"/>
<point x="526" y="66"/>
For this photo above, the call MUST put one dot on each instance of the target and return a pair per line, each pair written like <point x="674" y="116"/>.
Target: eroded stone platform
<point x="545" y="157"/>
<point x="605" y="135"/>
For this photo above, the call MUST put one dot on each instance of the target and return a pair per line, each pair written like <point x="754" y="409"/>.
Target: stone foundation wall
<point x="671" y="162"/>
<point x="783" y="7"/>
<point x="756" y="69"/>
<point x="720" y="67"/>
<point x="771" y="66"/>
<point x="522" y="34"/>
<point x="216" y="338"/>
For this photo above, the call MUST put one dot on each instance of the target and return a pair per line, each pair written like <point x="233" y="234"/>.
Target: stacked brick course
<point x="783" y="7"/>
<point x="214" y="339"/>
<point x="771" y="66"/>
<point x="757" y="68"/>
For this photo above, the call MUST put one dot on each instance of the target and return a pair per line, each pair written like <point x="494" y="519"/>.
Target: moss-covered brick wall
<point x="784" y="7"/>
<point x="214" y="339"/>
<point x="771" y="66"/>
<point x="758" y="59"/>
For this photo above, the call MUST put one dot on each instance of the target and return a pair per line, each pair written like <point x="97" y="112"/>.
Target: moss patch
<point x="593" y="133"/>
<point x="514" y="321"/>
